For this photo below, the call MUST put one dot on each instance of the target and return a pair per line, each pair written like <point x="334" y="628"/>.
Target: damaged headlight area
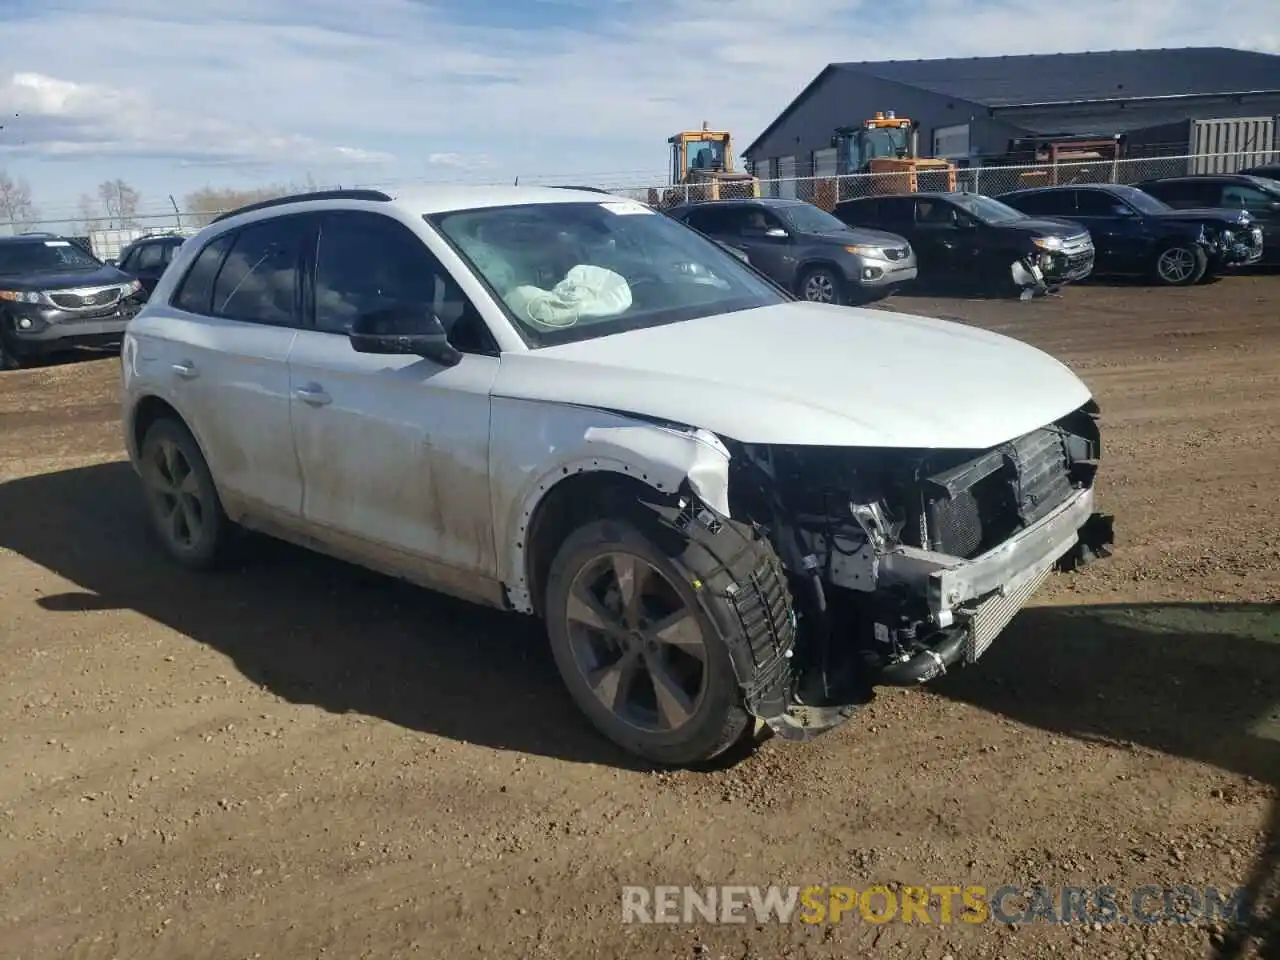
<point x="905" y="562"/>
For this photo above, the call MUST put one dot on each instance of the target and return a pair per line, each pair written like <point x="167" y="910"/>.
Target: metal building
<point x="970" y="110"/>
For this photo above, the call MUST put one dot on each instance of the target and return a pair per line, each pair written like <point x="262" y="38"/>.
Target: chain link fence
<point x="106" y="237"/>
<point x="825" y="192"/>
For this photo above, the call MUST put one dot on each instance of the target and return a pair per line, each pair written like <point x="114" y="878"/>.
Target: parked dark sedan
<point x="1270" y="171"/>
<point x="1138" y="235"/>
<point x="968" y="240"/>
<point x="146" y="258"/>
<point x="1231" y="191"/>
<point x="805" y="249"/>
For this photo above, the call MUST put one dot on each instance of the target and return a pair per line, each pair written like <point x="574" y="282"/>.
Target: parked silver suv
<point x="733" y="510"/>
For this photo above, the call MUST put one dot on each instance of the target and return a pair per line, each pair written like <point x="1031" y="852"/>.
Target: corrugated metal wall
<point x="1232" y="143"/>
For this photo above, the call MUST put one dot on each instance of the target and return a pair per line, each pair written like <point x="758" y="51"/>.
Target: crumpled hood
<point x="1213" y="214"/>
<point x="65" y="279"/>
<point x="811" y="374"/>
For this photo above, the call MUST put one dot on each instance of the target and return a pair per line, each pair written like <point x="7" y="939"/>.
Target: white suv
<point x="735" y="511"/>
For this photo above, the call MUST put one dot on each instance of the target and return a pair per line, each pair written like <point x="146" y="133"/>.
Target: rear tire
<point x="657" y="675"/>
<point x="1181" y="265"/>
<point x="182" y="502"/>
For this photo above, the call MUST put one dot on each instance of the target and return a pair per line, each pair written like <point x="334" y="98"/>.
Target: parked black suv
<point x="968" y="240"/>
<point x="1270" y="171"/>
<point x="55" y="295"/>
<point x="805" y="249"/>
<point x="1138" y="235"/>
<point x="145" y="259"/>
<point x="1230" y="191"/>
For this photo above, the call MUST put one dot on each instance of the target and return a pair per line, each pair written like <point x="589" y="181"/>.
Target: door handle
<point x="313" y="394"/>
<point x="185" y="369"/>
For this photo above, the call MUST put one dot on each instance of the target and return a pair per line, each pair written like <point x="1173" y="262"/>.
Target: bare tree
<point x="206" y="203"/>
<point x="201" y="206"/>
<point x="88" y="214"/>
<point x="16" y="207"/>
<point x="120" y="202"/>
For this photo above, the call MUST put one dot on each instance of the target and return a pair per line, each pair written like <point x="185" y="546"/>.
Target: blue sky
<point x="171" y="95"/>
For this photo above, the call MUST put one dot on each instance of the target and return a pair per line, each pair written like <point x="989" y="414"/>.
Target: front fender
<point x="536" y="445"/>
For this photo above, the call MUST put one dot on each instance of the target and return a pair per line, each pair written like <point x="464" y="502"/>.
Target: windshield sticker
<point x="57" y="243"/>
<point x="625" y="207"/>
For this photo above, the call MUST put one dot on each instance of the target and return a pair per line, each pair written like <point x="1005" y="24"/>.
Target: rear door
<point x="228" y="364"/>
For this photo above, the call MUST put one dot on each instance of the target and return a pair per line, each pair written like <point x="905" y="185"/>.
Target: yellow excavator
<point x="702" y="169"/>
<point x="888" y="147"/>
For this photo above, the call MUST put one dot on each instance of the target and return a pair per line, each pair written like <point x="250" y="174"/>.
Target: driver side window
<point x="755" y="221"/>
<point x="367" y="262"/>
<point x="934" y="213"/>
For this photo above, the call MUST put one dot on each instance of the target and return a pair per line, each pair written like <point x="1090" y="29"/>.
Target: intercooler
<point x="974" y="506"/>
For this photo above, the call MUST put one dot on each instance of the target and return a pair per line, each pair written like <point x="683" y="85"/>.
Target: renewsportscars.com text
<point x="937" y="904"/>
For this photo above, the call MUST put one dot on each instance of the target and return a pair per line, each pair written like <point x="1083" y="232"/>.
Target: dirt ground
<point x="299" y="760"/>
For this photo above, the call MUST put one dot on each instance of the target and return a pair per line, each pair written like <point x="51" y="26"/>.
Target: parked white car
<point x="734" y="511"/>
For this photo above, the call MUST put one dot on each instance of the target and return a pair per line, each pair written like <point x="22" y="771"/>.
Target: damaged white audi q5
<point x="733" y="510"/>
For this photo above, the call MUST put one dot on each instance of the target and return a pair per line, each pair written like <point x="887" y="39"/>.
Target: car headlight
<point x="861" y="250"/>
<point x="1048" y="243"/>
<point x="20" y="296"/>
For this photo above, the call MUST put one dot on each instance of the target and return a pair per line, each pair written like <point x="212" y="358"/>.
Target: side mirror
<point x="777" y="232"/>
<point x="412" y="330"/>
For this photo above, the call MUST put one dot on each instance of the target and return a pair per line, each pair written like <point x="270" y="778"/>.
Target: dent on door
<point x="394" y="451"/>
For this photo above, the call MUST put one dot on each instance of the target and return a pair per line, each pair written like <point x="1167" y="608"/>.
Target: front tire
<point x="182" y="502"/>
<point x="10" y="358"/>
<point x="822" y="285"/>
<point x="1181" y="265"/>
<point x="644" y="640"/>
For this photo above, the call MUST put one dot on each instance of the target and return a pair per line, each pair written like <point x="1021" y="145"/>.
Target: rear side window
<point x="863" y="211"/>
<point x="1186" y="193"/>
<point x="1098" y="203"/>
<point x="196" y="293"/>
<point x="1044" y="204"/>
<point x="258" y="281"/>
<point x="718" y="220"/>
<point x="150" y="257"/>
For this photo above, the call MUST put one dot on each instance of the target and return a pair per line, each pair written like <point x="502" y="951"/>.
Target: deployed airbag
<point x="586" y="292"/>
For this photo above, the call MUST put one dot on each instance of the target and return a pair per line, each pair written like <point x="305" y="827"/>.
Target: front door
<point x="394" y="450"/>
<point x="936" y="237"/>
<point x="1122" y="241"/>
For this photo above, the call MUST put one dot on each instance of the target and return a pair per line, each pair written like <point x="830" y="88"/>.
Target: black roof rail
<point x="376" y="195"/>
<point x="561" y="186"/>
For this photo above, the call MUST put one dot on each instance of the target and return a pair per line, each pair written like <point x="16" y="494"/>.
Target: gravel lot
<point x="299" y="759"/>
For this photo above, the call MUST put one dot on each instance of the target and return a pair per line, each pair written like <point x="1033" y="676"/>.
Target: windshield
<point x="575" y="271"/>
<point x="44" y="256"/>
<point x="1270" y="187"/>
<point x="877" y="142"/>
<point x="985" y="209"/>
<point x="707" y="155"/>
<point x="1140" y="200"/>
<point x="806" y="218"/>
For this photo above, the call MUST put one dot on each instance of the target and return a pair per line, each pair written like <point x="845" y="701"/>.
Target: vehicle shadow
<point x="1200" y="681"/>
<point x="310" y="629"/>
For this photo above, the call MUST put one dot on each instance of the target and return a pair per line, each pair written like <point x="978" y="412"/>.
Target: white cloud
<point x="63" y="118"/>
<point x="401" y="89"/>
